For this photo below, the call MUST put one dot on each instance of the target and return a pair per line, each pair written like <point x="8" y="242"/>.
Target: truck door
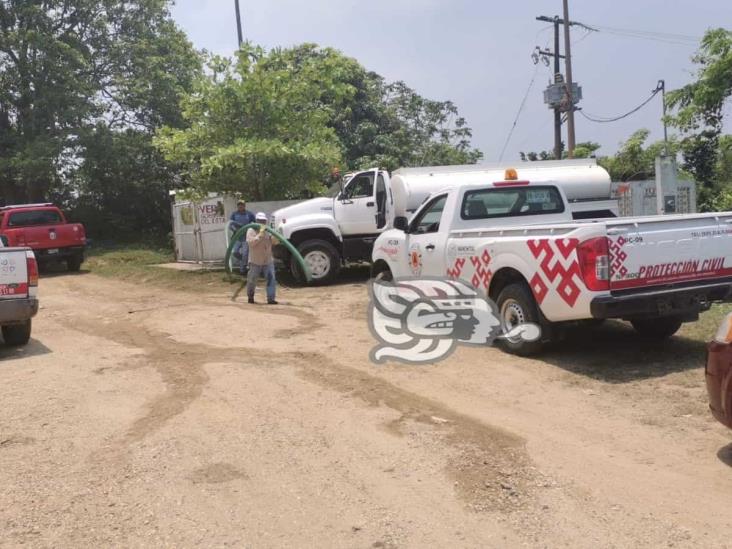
<point x="426" y="242"/>
<point x="355" y="208"/>
<point x="382" y="202"/>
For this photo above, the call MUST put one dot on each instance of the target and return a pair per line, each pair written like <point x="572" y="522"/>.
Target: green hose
<point x="239" y="234"/>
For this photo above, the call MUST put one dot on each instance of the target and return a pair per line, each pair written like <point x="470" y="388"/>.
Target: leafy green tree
<point x="272" y="124"/>
<point x="420" y="132"/>
<point x="75" y="74"/>
<point x="586" y="149"/>
<point x="385" y="124"/>
<point x="699" y="110"/>
<point x="701" y="103"/>
<point x="256" y="127"/>
<point x="635" y="161"/>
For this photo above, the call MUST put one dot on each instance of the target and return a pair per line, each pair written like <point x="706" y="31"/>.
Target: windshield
<point x="34" y="217"/>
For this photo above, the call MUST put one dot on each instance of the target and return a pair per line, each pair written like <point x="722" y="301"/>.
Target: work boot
<point x="250" y="298"/>
<point x="271" y="302"/>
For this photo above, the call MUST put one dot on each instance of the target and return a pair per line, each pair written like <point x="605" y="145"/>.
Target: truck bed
<point x="647" y="251"/>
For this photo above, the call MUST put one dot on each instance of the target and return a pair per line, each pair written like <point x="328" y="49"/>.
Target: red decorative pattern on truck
<point x="483" y="274"/>
<point x="617" y="256"/>
<point x="559" y="262"/>
<point x="457" y="268"/>
<point x="477" y="270"/>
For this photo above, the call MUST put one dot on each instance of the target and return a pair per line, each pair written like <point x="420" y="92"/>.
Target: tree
<point x="272" y="124"/>
<point x="634" y="161"/>
<point x="77" y="73"/>
<point x="385" y="124"/>
<point x="256" y="127"/>
<point x="420" y="132"/>
<point x="586" y="149"/>
<point x="699" y="110"/>
<point x="701" y="103"/>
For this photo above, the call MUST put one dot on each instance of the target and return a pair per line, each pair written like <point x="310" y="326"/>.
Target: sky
<point x="478" y="54"/>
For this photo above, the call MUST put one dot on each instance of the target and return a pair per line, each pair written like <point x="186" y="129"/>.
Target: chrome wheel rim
<point x="318" y="262"/>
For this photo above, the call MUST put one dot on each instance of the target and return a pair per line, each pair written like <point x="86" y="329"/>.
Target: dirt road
<point x="140" y="417"/>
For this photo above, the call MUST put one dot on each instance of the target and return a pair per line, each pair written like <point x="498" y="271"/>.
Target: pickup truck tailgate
<point x="13" y="274"/>
<point x="51" y="237"/>
<point x="659" y="251"/>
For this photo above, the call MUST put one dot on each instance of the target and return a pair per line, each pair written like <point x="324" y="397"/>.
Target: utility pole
<point x="559" y="96"/>
<point x="238" y="22"/>
<point x="557" y="111"/>
<point x="662" y="86"/>
<point x="568" y="82"/>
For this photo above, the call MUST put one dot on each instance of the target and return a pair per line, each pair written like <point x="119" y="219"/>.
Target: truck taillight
<point x="32" y="267"/>
<point x="595" y="263"/>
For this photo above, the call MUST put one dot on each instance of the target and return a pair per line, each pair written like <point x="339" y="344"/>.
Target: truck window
<point x="487" y="203"/>
<point x="34" y="217"/>
<point x="428" y="221"/>
<point x="360" y="186"/>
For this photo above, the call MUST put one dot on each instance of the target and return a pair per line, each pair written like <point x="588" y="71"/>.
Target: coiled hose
<point x="239" y="235"/>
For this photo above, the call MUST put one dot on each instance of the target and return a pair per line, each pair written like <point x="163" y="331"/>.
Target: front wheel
<point x="17" y="334"/>
<point x="322" y="259"/>
<point x="381" y="272"/>
<point x="657" y="328"/>
<point x="517" y="306"/>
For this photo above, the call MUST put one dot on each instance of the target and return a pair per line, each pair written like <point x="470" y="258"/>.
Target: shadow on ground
<point x="353" y="274"/>
<point x="615" y="353"/>
<point x="53" y="270"/>
<point x="725" y="454"/>
<point x="32" y="348"/>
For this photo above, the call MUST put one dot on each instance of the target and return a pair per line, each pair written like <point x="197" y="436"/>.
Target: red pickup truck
<point x="43" y="228"/>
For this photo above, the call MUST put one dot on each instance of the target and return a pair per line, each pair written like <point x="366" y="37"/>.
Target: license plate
<point x="52" y="251"/>
<point x="9" y="289"/>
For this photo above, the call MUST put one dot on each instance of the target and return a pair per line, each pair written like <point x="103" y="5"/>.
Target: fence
<point x="199" y="228"/>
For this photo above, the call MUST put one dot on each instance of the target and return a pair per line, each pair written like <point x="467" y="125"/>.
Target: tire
<point x="657" y="328"/>
<point x="516" y="305"/>
<point x="17" y="334"/>
<point x="592" y="322"/>
<point x="382" y="273"/>
<point x="73" y="263"/>
<point x="323" y="259"/>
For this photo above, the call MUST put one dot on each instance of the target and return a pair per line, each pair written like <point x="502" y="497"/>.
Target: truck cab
<point x="331" y="230"/>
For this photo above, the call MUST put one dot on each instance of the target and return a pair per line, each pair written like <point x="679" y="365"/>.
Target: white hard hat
<point x="261" y="216"/>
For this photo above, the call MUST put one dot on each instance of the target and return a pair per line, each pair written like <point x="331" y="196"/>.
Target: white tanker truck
<point x="331" y="231"/>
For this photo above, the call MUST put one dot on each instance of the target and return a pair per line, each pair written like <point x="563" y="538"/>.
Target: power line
<point x="520" y="109"/>
<point x="603" y="120"/>
<point x="663" y="37"/>
<point x="669" y="35"/>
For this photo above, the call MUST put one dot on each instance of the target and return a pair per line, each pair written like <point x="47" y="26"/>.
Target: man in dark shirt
<point x="238" y="219"/>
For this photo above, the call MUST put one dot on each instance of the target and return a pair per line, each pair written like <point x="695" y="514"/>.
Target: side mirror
<point x="4" y="240"/>
<point x="401" y="223"/>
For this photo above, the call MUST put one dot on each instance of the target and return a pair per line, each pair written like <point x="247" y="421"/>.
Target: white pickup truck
<point x="516" y="241"/>
<point x="18" y="293"/>
<point x="331" y="231"/>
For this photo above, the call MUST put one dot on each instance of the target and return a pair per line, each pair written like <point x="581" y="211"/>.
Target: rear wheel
<point x="322" y="259"/>
<point x="74" y="263"/>
<point x="517" y="306"/>
<point x="657" y="328"/>
<point x="17" y="334"/>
